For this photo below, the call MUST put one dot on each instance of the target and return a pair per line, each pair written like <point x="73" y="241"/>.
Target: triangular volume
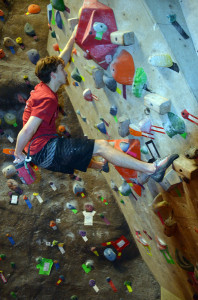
<point x="133" y="150"/>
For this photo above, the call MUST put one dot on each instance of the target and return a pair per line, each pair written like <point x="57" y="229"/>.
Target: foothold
<point x="114" y="186"/>
<point x="122" y="38"/>
<point x="87" y="94"/>
<point x="101" y="127"/>
<point x="123" y="128"/>
<point x="172" y="20"/>
<point x="9" y="171"/>
<point x="10" y="238"/>
<point x="2" y="54"/>
<point x="98" y="78"/>
<point x="124" y="146"/>
<point x="100" y="28"/>
<point x="160" y="60"/>
<point x="49" y="13"/>
<point x="2" y="15"/>
<point x="110" y="83"/>
<point x="76" y="75"/>
<point x="53" y="34"/>
<point x="144" y="149"/>
<point x="125" y="189"/>
<point x="170" y="226"/>
<point x="74" y="297"/>
<point x="122" y="68"/>
<point x="33" y="56"/>
<point x="10" y="119"/>
<point x="146" y="126"/>
<point x="139" y="82"/>
<point x="58" y="19"/>
<point x="72" y="23"/>
<point x="13" y="294"/>
<point x="53" y="225"/>
<point x="56" y="47"/>
<point x="78" y="189"/>
<point x="157" y="103"/>
<point x="9" y="43"/>
<point x="93" y="249"/>
<point x="19" y="41"/>
<point x="174" y="126"/>
<point x="58" y="4"/>
<point x="34" y="9"/>
<point x="183" y="262"/>
<point x="186" y="115"/>
<point x="29" y="30"/>
<point x="119" y="245"/>
<point x="128" y="284"/>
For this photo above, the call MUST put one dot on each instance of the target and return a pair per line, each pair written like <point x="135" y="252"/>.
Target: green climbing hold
<point x="175" y="125"/>
<point x="76" y="75"/>
<point x="53" y="34"/>
<point x="144" y="149"/>
<point x="139" y="81"/>
<point x="184" y="135"/>
<point x="58" y="4"/>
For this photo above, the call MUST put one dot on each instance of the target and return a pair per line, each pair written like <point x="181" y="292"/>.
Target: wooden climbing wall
<point x="136" y="16"/>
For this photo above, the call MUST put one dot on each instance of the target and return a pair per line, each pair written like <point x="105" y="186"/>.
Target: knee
<point x="100" y="147"/>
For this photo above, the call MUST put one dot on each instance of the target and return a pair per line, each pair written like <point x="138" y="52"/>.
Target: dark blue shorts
<point x="65" y="155"/>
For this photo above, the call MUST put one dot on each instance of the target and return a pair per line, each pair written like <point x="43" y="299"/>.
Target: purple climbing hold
<point x="58" y="19"/>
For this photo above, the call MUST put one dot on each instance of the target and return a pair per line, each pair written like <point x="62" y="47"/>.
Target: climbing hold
<point x="101" y="127"/>
<point x="96" y="23"/>
<point x="110" y="83"/>
<point x="2" y="15"/>
<point x="125" y="189"/>
<point x="10" y="119"/>
<point x="2" y="54"/>
<point x="123" y="128"/>
<point x="98" y="78"/>
<point x="144" y="150"/>
<point x="33" y="56"/>
<point x="163" y="60"/>
<point x="58" y="4"/>
<point x="139" y="82"/>
<point x="9" y="171"/>
<point x="9" y="43"/>
<point x="56" y="47"/>
<point x="34" y="9"/>
<point x="49" y="13"/>
<point x="29" y="30"/>
<point x="86" y="55"/>
<point x="53" y="34"/>
<point x="175" y="125"/>
<point x="87" y="94"/>
<point x="123" y="68"/>
<point x="160" y="60"/>
<point x="19" y="41"/>
<point x="109" y="254"/>
<point x="100" y="29"/>
<point x="76" y="75"/>
<point x="58" y="19"/>
<point x="183" y="262"/>
<point x="122" y="38"/>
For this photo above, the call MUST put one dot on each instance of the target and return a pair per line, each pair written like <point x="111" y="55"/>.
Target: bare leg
<point x="120" y="159"/>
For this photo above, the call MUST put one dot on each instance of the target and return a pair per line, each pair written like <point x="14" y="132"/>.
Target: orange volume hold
<point x="123" y="68"/>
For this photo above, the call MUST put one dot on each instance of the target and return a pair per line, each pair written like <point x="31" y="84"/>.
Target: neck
<point x="53" y="86"/>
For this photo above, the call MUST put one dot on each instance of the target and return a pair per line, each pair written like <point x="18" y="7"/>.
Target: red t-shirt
<point x="43" y="103"/>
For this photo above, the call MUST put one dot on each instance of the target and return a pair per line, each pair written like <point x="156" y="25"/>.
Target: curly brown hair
<point x="46" y="65"/>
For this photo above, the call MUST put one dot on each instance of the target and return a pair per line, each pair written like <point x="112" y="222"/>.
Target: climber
<point x="64" y="155"/>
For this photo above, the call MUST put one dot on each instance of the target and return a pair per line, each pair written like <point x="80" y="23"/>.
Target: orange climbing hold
<point x="2" y="53"/>
<point x="128" y="174"/>
<point x="1" y="13"/>
<point x="123" y="68"/>
<point x="34" y="9"/>
<point x="56" y="47"/>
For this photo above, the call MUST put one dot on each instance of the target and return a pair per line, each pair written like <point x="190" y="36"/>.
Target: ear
<point x="53" y="75"/>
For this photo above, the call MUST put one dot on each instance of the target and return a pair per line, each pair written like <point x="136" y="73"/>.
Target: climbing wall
<point x="133" y="57"/>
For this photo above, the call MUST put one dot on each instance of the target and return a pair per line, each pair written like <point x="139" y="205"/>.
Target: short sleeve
<point x="44" y="109"/>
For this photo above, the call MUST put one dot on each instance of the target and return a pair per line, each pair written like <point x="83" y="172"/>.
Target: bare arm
<point x="66" y="53"/>
<point x="24" y="137"/>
